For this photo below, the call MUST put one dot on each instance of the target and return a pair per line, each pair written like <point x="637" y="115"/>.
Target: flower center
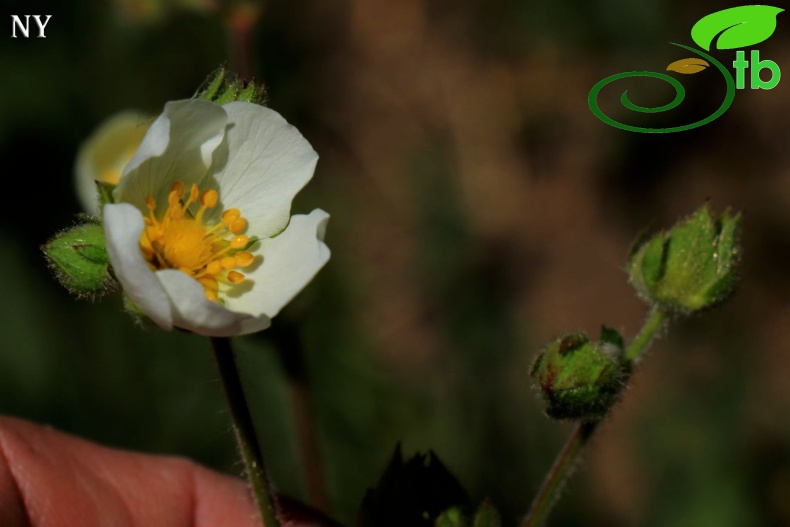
<point x="180" y="240"/>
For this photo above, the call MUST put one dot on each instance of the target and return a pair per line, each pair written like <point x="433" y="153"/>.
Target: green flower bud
<point x="692" y="266"/>
<point x="79" y="259"/>
<point x="223" y="87"/>
<point x="581" y="379"/>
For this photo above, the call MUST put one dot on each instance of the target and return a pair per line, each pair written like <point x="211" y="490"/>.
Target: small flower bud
<point x="581" y="379"/>
<point x="692" y="266"/>
<point x="79" y="259"/>
<point x="223" y="87"/>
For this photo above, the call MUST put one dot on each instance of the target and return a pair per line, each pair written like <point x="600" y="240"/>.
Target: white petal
<point x="260" y="167"/>
<point x="123" y="225"/>
<point x="194" y="312"/>
<point x="290" y="261"/>
<point x="178" y="147"/>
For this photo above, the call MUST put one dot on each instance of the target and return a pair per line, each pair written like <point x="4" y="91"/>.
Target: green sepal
<point x="223" y="87"/>
<point x="487" y="516"/>
<point x="105" y="192"/>
<point x="78" y="257"/>
<point x="693" y="266"/>
<point x="137" y="314"/>
<point x="212" y="87"/>
<point x="612" y="336"/>
<point x="653" y="265"/>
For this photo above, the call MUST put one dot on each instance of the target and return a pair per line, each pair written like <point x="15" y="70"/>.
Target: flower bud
<point x="79" y="259"/>
<point x="581" y="379"/>
<point x="103" y="156"/>
<point x="692" y="266"/>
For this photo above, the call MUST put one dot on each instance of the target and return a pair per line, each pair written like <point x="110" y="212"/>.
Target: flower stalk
<point x="244" y="430"/>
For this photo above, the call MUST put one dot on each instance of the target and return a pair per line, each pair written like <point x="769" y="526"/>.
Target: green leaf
<point x="412" y="493"/>
<point x="737" y="27"/>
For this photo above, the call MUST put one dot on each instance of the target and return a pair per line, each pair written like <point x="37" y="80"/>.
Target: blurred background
<point x="479" y="209"/>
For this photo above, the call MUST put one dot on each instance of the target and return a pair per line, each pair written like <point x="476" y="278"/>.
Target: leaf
<point x="737" y="27"/>
<point x="688" y="66"/>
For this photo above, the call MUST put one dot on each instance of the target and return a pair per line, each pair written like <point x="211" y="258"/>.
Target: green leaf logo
<point x="737" y="27"/>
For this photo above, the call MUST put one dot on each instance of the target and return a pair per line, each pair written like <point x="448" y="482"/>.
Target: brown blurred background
<point x="478" y="208"/>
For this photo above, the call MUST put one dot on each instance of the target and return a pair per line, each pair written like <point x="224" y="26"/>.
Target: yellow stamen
<point x="237" y="242"/>
<point x="230" y="215"/>
<point x="235" y="277"/>
<point x="237" y="226"/>
<point x="209" y="198"/>
<point x="176" y="239"/>
<point x="244" y="258"/>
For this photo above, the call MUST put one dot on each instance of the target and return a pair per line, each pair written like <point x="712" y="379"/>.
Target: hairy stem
<point x="560" y="472"/>
<point x="650" y="329"/>
<point x="246" y="438"/>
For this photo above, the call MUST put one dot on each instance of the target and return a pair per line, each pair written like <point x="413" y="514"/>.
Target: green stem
<point x="650" y="329"/>
<point x="566" y="460"/>
<point x="246" y="437"/>
<point x="560" y="472"/>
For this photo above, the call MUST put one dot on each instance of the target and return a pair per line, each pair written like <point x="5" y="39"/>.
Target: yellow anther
<point x="235" y="277"/>
<point x="193" y="193"/>
<point x="229" y="262"/>
<point x="209" y="198"/>
<point x="209" y="283"/>
<point x="237" y="242"/>
<point x="230" y="215"/>
<point x="211" y="295"/>
<point x="178" y="188"/>
<point x="238" y="225"/>
<point x="243" y="259"/>
<point x="173" y="199"/>
<point x="150" y="203"/>
<point x="213" y="267"/>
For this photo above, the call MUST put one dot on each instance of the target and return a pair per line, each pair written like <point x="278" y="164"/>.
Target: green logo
<point x="738" y="27"/>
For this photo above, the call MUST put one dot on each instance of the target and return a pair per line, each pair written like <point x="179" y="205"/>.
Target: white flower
<point x="205" y="184"/>
<point x="104" y="154"/>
